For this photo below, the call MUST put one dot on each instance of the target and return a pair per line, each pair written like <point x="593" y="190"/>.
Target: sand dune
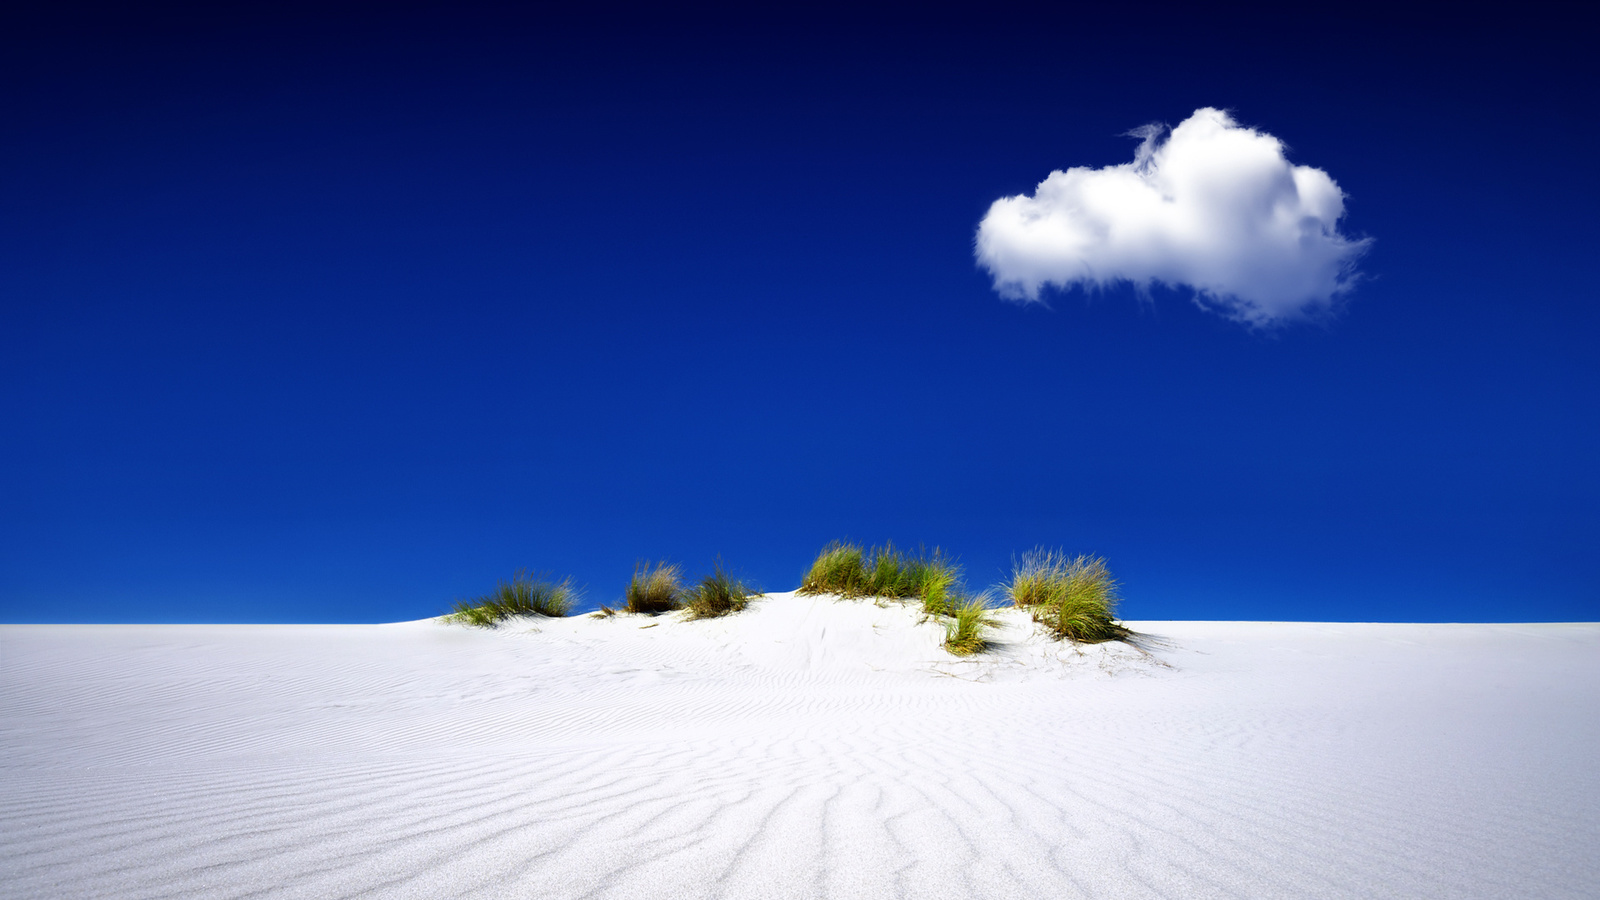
<point x="806" y="748"/>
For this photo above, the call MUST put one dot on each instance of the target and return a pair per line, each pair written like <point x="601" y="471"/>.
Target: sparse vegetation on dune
<point x="849" y="571"/>
<point x="717" y="594"/>
<point x="655" y="590"/>
<point x="931" y="578"/>
<point x="1074" y="599"/>
<point x="967" y="630"/>
<point x="523" y="595"/>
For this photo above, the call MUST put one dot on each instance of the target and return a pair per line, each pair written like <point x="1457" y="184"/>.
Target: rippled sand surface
<point x="807" y="748"/>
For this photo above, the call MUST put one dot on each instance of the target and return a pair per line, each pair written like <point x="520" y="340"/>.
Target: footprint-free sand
<point x="806" y="748"/>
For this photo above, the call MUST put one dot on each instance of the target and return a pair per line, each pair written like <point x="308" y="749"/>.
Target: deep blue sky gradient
<point x="339" y="316"/>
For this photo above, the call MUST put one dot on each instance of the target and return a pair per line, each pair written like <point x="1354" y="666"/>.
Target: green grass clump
<point x="1074" y="599"/>
<point x="523" y="595"/>
<point x="718" y="594"/>
<point x="967" y="631"/>
<point x="655" y="590"/>
<point x="849" y="571"/>
<point x="888" y="573"/>
<point x="839" y="569"/>
<point x="936" y="582"/>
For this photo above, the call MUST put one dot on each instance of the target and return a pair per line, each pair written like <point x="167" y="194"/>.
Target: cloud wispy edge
<point x="1213" y="206"/>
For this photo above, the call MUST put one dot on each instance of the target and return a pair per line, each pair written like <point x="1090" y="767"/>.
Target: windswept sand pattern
<point x="807" y="748"/>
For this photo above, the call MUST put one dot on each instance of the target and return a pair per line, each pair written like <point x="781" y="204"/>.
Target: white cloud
<point x="1213" y="206"/>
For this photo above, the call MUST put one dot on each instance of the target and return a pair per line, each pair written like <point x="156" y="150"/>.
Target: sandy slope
<point x="807" y="748"/>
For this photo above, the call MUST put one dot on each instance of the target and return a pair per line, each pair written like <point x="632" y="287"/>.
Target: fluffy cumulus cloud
<point x="1213" y="206"/>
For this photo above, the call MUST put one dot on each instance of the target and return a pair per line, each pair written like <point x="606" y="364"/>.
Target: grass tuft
<point x="967" y="631"/>
<point x="849" y="571"/>
<point x="839" y="569"/>
<point x="937" y="582"/>
<point x="1074" y="599"/>
<point x="523" y="595"/>
<point x="655" y="590"/>
<point x="718" y="594"/>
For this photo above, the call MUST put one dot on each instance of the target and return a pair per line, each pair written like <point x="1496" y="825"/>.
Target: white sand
<point x="806" y="748"/>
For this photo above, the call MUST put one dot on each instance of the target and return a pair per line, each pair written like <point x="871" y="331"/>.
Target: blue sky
<point x="340" y="316"/>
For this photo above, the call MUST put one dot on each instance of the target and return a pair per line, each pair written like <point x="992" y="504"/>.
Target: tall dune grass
<point x="655" y="590"/>
<point x="1074" y="599"/>
<point x="839" y="569"/>
<point x="717" y="594"/>
<point x="967" y="631"/>
<point x="849" y="571"/>
<point x="523" y="595"/>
